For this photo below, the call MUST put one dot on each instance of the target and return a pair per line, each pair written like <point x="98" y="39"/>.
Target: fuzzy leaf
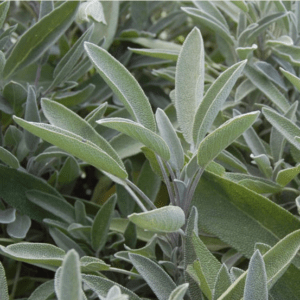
<point x="40" y="37"/>
<point x="123" y="84"/>
<point x="292" y="78"/>
<point x="44" y="291"/>
<point x="223" y="136"/>
<point x="179" y="292"/>
<point x="165" y="219"/>
<point x="139" y="133"/>
<point x="214" y="99"/>
<point x="8" y="158"/>
<point x="189" y="81"/>
<point x="19" y="228"/>
<point x="158" y="53"/>
<point x="3" y="284"/>
<point x="222" y="283"/>
<point x="285" y="176"/>
<point x="159" y="281"/>
<point x="4" y="6"/>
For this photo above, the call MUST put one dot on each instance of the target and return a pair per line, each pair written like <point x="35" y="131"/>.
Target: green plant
<point x="181" y="198"/>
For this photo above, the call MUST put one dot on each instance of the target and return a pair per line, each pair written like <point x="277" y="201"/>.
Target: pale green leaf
<point x="165" y="219"/>
<point x="158" y="53"/>
<point x="91" y="9"/>
<point x="214" y="99"/>
<point x="7" y="215"/>
<point x="64" y="118"/>
<point x="267" y="87"/>
<point x="40" y="37"/>
<point x="8" y="158"/>
<point x="292" y="78"/>
<point x="101" y="224"/>
<point x="286" y="127"/>
<point x="179" y="292"/>
<point x="244" y="89"/>
<point x="44" y="291"/>
<point x="46" y="7"/>
<point x="222" y="283"/>
<point x="189" y="81"/>
<point x="159" y="281"/>
<point x="223" y="136"/>
<point x="169" y="135"/>
<point x="285" y="176"/>
<point x="4" y="6"/>
<point x="263" y="163"/>
<point x="123" y="84"/>
<point x="256" y="281"/>
<point x="35" y="253"/>
<point x="92" y="264"/>
<point x="245" y="52"/>
<point x="139" y="133"/>
<point x="19" y="227"/>
<point x="3" y="284"/>
<point x="288" y="52"/>
<point x="70" y="279"/>
<point x="75" y="145"/>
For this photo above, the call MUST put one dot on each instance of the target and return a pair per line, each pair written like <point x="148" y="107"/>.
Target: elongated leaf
<point x="62" y="209"/>
<point x="223" y="136"/>
<point x="40" y="37"/>
<point x="44" y="291"/>
<point x="179" y="292"/>
<point x="101" y="286"/>
<point x="70" y="280"/>
<point x="189" y="81"/>
<point x="158" y="53"/>
<point x="67" y="63"/>
<point x="75" y="145"/>
<point x="123" y="85"/>
<point x="288" y="52"/>
<point x="139" y="133"/>
<point x="4" y="6"/>
<point x="267" y="87"/>
<point x="64" y="118"/>
<point x="7" y="216"/>
<point x="285" y="176"/>
<point x="31" y="115"/>
<point x="222" y="283"/>
<point x="276" y="260"/>
<point x="8" y="158"/>
<point x="256" y="281"/>
<point x="45" y="8"/>
<point x="90" y="264"/>
<point x="169" y="135"/>
<point x="165" y="219"/>
<point x="286" y="127"/>
<point x="3" y="284"/>
<point x="35" y="253"/>
<point x="213" y="101"/>
<point x="292" y="78"/>
<point x="101" y="224"/>
<point x="159" y="281"/>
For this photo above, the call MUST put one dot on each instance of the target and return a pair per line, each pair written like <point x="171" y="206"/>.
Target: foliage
<point x="149" y="150"/>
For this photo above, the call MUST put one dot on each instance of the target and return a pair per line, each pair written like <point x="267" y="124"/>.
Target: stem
<point x="38" y="75"/>
<point x="136" y="199"/>
<point x="288" y="189"/>
<point x="141" y="193"/>
<point x="192" y="191"/>
<point x="177" y="199"/>
<point x="124" y="272"/>
<point x="169" y="188"/>
<point x="16" y="280"/>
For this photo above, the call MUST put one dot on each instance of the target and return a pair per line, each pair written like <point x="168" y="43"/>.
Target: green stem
<point x="16" y="280"/>
<point x="136" y="198"/>
<point x="124" y="272"/>
<point x="177" y="200"/>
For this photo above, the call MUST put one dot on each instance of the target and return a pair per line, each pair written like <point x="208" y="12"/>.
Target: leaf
<point x="101" y="224"/>
<point x="4" y="6"/>
<point x="189" y="81"/>
<point x="223" y="281"/>
<point x="92" y="264"/>
<point x="75" y="145"/>
<point x="31" y="114"/>
<point x="3" y="283"/>
<point x="256" y="281"/>
<point x="40" y="37"/>
<point x="139" y="133"/>
<point x="286" y="127"/>
<point x="285" y="176"/>
<point x="169" y="135"/>
<point x="267" y="87"/>
<point x="8" y="158"/>
<point x="123" y="85"/>
<point x="70" y="279"/>
<point x="290" y="53"/>
<point x="214" y="99"/>
<point x="91" y="9"/>
<point x="165" y="219"/>
<point x="292" y="78"/>
<point x="179" y="292"/>
<point x="13" y="186"/>
<point x="101" y="286"/>
<point x="245" y="52"/>
<point x="35" y="253"/>
<point x="67" y="63"/>
<point x="64" y="118"/>
<point x="46" y="289"/>
<point x="276" y="260"/>
<point x="55" y="205"/>
<point x="158" y="53"/>
<point x="19" y="228"/>
<point x="46" y="7"/>
<point x="223" y="136"/>
<point x="159" y="281"/>
<point x="7" y="216"/>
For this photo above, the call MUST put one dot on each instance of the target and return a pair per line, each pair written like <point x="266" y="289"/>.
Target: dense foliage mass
<point x="149" y="150"/>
